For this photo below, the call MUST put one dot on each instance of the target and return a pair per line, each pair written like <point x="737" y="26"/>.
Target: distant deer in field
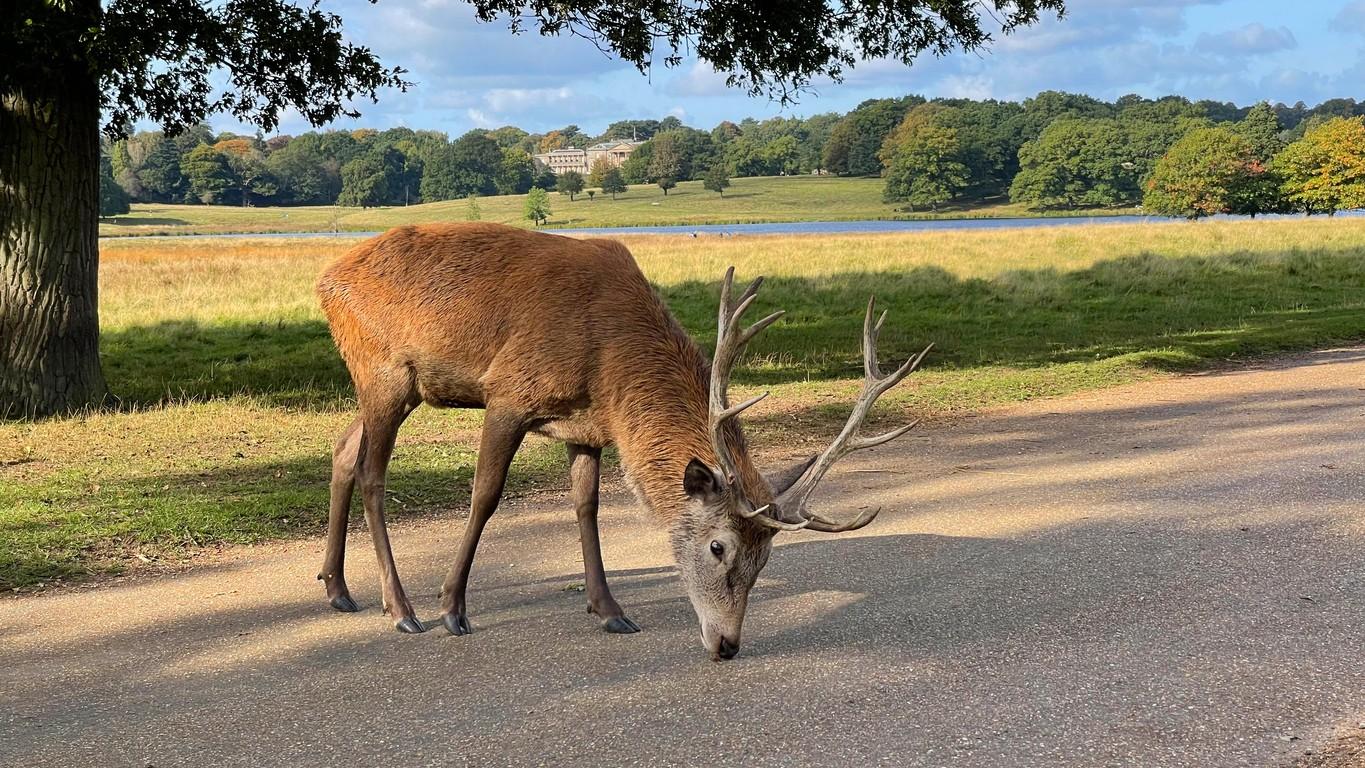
<point x="566" y="338"/>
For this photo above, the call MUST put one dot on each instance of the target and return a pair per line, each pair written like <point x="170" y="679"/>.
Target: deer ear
<point x="782" y="479"/>
<point x="702" y="483"/>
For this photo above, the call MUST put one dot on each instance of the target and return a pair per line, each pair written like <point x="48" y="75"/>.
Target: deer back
<point x="484" y="312"/>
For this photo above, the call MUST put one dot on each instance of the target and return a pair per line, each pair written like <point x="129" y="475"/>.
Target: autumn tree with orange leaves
<point x="1211" y="171"/>
<point x="1324" y="172"/>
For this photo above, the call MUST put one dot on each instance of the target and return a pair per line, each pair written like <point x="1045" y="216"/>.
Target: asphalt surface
<point x="1168" y="574"/>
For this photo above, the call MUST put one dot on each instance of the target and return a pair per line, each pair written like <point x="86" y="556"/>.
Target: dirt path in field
<point x="1167" y="574"/>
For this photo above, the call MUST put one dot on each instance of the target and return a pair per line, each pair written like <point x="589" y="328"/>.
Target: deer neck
<point x="662" y="422"/>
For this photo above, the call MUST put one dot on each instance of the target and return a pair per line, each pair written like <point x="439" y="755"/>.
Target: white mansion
<point x="582" y="160"/>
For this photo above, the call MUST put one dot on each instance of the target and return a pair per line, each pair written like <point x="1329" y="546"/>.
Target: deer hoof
<point x="410" y="626"/>
<point x="457" y="624"/>
<point x="620" y="625"/>
<point x="344" y="603"/>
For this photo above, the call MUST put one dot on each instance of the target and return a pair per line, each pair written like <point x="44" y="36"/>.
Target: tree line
<point x="1170" y="155"/>
<point x="352" y="168"/>
<point x="1053" y="151"/>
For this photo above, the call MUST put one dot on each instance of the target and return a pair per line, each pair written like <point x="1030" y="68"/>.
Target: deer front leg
<point x="379" y="430"/>
<point x="502" y="434"/>
<point x="584" y="478"/>
<point x="344" y="458"/>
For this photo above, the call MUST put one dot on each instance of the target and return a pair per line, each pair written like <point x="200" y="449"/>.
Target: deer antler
<point x="730" y="342"/>
<point x="793" y="502"/>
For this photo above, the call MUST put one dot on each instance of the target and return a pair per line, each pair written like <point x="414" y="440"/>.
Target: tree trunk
<point x="49" y="250"/>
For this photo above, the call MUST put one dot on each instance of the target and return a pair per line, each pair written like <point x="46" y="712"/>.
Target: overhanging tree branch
<point x="772" y="47"/>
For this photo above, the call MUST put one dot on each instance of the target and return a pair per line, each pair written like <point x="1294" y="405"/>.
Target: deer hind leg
<point x="381" y="418"/>
<point x="502" y="434"/>
<point x="584" y="477"/>
<point x="344" y="458"/>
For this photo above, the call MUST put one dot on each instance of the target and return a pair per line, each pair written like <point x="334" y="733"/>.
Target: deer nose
<point x="728" y="648"/>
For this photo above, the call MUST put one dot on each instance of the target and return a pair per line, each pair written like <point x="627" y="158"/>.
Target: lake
<point x="828" y="227"/>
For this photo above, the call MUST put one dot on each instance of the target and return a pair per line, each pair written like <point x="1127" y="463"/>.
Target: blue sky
<point x="471" y="75"/>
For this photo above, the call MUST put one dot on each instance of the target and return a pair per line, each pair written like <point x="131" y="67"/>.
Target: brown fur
<point x="565" y="332"/>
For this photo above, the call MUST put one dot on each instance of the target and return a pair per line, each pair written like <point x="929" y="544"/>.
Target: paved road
<point x="1170" y="574"/>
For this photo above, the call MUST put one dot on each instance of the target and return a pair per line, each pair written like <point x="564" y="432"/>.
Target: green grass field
<point x="773" y="199"/>
<point x="232" y="392"/>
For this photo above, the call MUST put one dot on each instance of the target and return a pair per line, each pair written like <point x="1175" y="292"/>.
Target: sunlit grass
<point x="232" y="392"/>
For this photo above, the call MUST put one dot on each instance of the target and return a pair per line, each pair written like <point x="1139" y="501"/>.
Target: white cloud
<point x="1351" y="18"/>
<point x="481" y="119"/>
<point x="967" y="87"/>
<point x="1249" y="40"/>
<point x="532" y="108"/>
<point x="1291" y="84"/>
<point x="442" y="44"/>
<point x="1107" y="48"/>
<point x="700" y="79"/>
<point x="521" y="99"/>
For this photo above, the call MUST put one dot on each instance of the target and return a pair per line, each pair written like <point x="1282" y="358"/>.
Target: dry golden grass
<point x="985" y="254"/>
<point x="150" y="281"/>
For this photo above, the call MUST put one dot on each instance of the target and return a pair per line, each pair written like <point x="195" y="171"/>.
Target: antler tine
<point x="728" y="310"/>
<point x="725" y="287"/>
<point x="749" y="293"/>
<point x="744" y="301"/>
<point x="734" y="410"/>
<point x="859" y="443"/>
<point x="870" y="367"/>
<point x="730" y="342"/>
<point x="753" y="330"/>
<point x="762" y="517"/>
<point x="828" y="526"/>
<point x="907" y="368"/>
<point x="796" y="498"/>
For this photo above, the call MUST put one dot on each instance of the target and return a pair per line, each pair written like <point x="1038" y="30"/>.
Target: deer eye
<point x="717" y="549"/>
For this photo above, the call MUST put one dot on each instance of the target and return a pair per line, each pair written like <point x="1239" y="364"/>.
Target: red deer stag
<point x="565" y="338"/>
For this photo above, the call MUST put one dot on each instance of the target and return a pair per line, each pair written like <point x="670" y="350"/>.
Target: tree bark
<point x="49" y="249"/>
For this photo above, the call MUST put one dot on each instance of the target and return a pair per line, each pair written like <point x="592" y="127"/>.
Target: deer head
<point x="724" y="537"/>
